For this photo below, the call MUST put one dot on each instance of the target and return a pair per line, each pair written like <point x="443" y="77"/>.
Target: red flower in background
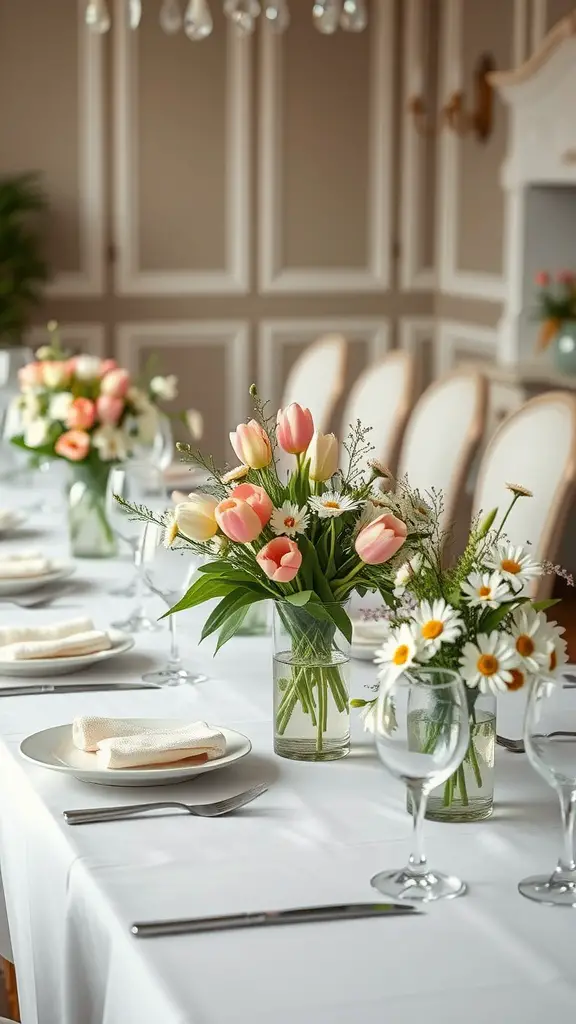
<point x="542" y="279"/>
<point x="565" y="277"/>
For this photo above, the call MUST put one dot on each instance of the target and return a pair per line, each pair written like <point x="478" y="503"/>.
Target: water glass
<point x="422" y="734"/>
<point x="550" y="740"/>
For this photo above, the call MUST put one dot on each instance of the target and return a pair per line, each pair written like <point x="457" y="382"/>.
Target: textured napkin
<point x="24" y="566"/>
<point x="369" y="631"/>
<point x="135" y="745"/>
<point x="8" y="519"/>
<point x="57" y="631"/>
<point x="68" y="647"/>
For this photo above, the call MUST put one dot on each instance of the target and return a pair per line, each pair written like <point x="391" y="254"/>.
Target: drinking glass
<point x="168" y="573"/>
<point x="140" y="484"/>
<point x="158" y="450"/>
<point x="422" y="734"/>
<point x="550" y="740"/>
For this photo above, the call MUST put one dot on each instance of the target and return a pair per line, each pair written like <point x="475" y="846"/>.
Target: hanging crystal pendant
<point x="97" y="16"/>
<point x="326" y="15"/>
<point x="354" y="17"/>
<point x="170" y="17"/>
<point x="278" y="15"/>
<point x="243" y="13"/>
<point x="134" y="13"/>
<point x="198" y="22"/>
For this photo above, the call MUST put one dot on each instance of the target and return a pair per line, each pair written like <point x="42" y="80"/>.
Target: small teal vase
<point x="564" y="348"/>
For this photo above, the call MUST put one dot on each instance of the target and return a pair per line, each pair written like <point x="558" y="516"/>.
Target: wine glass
<point x="168" y="573"/>
<point x="139" y="484"/>
<point x="550" y="740"/>
<point x="157" y="449"/>
<point x="422" y="734"/>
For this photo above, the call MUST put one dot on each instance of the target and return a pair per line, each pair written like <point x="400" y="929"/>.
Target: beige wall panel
<point x="325" y="145"/>
<point x="430" y="147"/>
<point x="180" y="138"/>
<point x="39" y="111"/>
<point x="449" y="307"/>
<point x="556" y="9"/>
<point x="487" y="27"/>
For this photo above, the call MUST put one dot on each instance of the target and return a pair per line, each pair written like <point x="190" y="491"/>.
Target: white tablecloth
<point x="318" y="835"/>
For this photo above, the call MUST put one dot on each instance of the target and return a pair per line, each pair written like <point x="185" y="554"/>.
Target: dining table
<point x="317" y="836"/>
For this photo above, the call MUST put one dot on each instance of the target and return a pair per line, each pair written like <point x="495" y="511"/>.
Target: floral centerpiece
<point x="88" y="412"/>
<point x="306" y="543"/>
<point x="556" y="307"/>
<point x="477" y="619"/>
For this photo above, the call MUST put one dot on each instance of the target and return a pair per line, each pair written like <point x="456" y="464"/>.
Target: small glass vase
<point x="468" y="795"/>
<point x="311" y="663"/>
<point x="90" y="533"/>
<point x="256" y="621"/>
<point x="564" y="348"/>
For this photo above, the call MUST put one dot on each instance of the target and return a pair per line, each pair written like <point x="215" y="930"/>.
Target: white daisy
<point x="406" y="571"/>
<point x="399" y="651"/>
<point x="556" y="648"/>
<point x="368" y="716"/>
<point x="289" y="519"/>
<point x="488" y="663"/>
<point x="437" y="622"/>
<point x="233" y="475"/>
<point x="528" y="629"/>
<point x="369" y="512"/>
<point x="514" y="564"/>
<point x="485" y="589"/>
<point x="170" y="530"/>
<point x="331" y="503"/>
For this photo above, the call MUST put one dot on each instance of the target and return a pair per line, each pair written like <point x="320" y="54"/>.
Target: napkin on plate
<point x="125" y="743"/>
<point x="24" y="565"/>
<point x="370" y="631"/>
<point x="8" y="519"/>
<point x="90" y="642"/>
<point x="57" y="631"/>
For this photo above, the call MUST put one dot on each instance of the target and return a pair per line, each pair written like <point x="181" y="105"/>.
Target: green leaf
<point x="204" y="589"/>
<point x="229" y="604"/>
<point x="543" y="606"/>
<point x="219" y="565"/>
<point x="301" y="598"/>
<point x="342" y="620"/>
<point x="231" y="626"/>
<point x="495" y="616"/>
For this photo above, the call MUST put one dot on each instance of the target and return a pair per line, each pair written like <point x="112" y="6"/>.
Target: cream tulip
<point x="322" y="453"/>
<point x="195" y="517"/>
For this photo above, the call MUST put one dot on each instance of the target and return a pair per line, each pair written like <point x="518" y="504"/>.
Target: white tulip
<point x="55" y="373"/>
<point x="110" y="443"/>
<point x="60" y="405"/>
<point x="165" y="388"/>
<point x="138" y="399"/>
<point x="37" y="433"/>
<point x="30" y="407"/>
<point x="87" y="367"/>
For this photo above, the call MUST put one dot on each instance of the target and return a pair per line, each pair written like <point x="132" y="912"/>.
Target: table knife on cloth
<point x="301" y="915"/>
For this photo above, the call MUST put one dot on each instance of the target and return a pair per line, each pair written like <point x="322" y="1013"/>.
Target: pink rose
<point x="542" y="279"/>
<point x="115" y="383"/>
<point x="109" y="409"/>
<point x="81" y="414"/>
<point x="238" y="520"/>
<point x="73" y="445"/>
<point x="565" y="277"/>
<point x="280" y="559"/>
<point x="257" y="499"/>
<point x="295" y="427"/>
<point x="381" y="539"/>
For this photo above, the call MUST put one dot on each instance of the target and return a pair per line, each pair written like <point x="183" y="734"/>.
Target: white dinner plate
<point x="53" y="749"/>
<point x="364" y="652"/>
<point x="24" y="585"/>
<point x="15" y="523"/>
<point x="34" y="668"/>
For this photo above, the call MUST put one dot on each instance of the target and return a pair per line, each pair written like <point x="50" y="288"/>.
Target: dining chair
<point x="536" y="448"/>
<point x="316" y="381"/>
<point x="382" y="398"/>
<point x="442" y="437"/>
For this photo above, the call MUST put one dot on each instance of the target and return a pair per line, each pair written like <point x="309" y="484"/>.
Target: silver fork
<point x="92" y="815"/>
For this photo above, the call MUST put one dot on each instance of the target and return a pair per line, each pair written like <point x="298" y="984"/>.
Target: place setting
<point x="22" y="573"/>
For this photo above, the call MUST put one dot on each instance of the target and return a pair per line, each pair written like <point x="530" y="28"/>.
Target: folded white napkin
<point x="368" y="631"/>
<point x="8" y="518"/>
<point x="57" y="631"/>
<point x="23" y="565"/>
<point x="135" y="745"/>
<point x="68" y="647"/>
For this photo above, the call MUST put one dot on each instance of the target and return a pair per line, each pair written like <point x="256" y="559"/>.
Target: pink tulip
<point x="238" y="520"/>
<point x="295" y="427"/>
<point x="30" y="376"/>
<point x="109" y="409"/>
<point x="115" y="383"/>
<point x="73" y="445"/>
<point x="542" y="279"/>
<point x="107" y="365"/>
<point x="565" y="277"/>
<point x="257" y="499"/>
<point x="280" y="559"/>
<point x="81" y="414"/>
<point x="252" y="445"/>
<point x="381" y="539"/>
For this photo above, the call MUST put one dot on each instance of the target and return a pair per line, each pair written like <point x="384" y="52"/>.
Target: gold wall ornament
<point x="479" y="120"/>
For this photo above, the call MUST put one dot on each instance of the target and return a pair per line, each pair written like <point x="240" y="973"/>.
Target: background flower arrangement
<point x="556" y="303"/>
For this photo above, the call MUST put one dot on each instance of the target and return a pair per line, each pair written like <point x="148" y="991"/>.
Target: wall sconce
<point x="423" y="124"/>
<point x="480" y="120"/>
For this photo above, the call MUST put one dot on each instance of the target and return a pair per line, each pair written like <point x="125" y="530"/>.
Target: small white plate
<point x="25" y="584"/>
<point x="53" y="749"/>
<point x="364" y="652"/>
<point x="38" y="667"/>
<point x="14" y="524"/>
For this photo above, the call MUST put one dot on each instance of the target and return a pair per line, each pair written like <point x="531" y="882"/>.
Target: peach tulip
<point x="73" y="445"/>
<point x="280" y="559"/>
<point x="81" y="414"/>
<point x="295" y="428"/>
<point x="381" y="539"/>
<point x="107" y="365"/>
<point x="257" y="499"/>
<point x="115" y="383"/>
<point x="252" y="445"/>
<point x="109" y="409"/>
<point x="30" y="376"/>
<point x="195" y="516"/>
<point x="322" y="453"/>
<point x="238" y="520"/>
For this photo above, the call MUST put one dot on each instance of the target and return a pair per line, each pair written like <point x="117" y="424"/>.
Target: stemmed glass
<point x="422" y="734"/>
<point x="139" y="484"/>
<point x="168" y="574"/>
<point x="550" y="740"/>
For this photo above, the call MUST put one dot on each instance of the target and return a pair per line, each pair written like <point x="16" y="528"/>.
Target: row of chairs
<point x="435" y="439"/>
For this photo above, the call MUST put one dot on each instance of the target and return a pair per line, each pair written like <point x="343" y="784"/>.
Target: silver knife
<point x="337" y="912"/>
<point x="33" y="690"/>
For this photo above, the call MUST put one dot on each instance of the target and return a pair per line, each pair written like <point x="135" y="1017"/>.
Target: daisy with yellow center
<point x="556" y="650"/>
<point x="519" y="491"/>
<point x="405" y="573"/>
<point x="437" y="623"/>
<point x="170" y="530"/>
<point x="288" y="520"/>
<point x="236" y="474"/>
<point x="514" y="564"/>
<point x="529" y="635"/>
<point x="331" y="504"/>
<point x="488" y="663"/>
<point x="486" y="590"/>
<point x="399" y="651"/>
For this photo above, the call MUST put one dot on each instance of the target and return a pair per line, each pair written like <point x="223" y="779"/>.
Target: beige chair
<point x="442" y="436"/>
<point x="382" y="398"/>
<point x="536" y="448"/>
<point x="316" y="381"/>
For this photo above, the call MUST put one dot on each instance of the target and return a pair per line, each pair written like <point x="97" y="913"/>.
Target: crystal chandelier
<point x="194" y="17"/>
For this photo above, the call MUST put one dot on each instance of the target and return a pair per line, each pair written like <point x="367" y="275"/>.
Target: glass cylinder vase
<point x="468" y="795"/>
<point x="311" y="665"/>
<point x="90" y="533"/>
<point x="256" y="621"/>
